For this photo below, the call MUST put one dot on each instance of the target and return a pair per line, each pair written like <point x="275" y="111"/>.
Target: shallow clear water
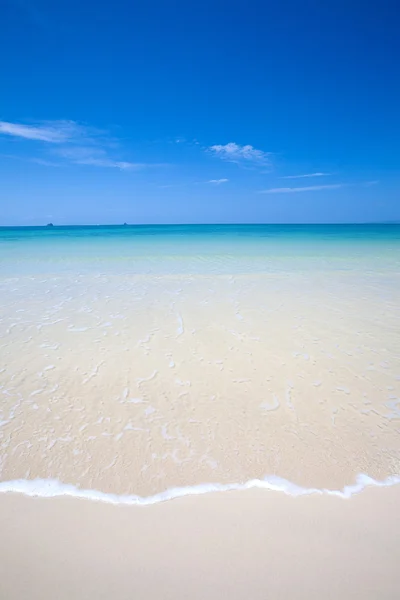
<point x="138" y="359"/>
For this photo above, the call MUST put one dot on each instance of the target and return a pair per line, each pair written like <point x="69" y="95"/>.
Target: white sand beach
<point x="239" y="545"/>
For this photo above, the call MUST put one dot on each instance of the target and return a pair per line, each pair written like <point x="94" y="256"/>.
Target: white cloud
<point x="306" y="175"/>
<point x="211" y="181"/>
<point x="75" y="143"/>
<point x="310" y="188"/>
<point x="96" y="157"/>
<point x="240" y="154"/>
<point x="54" y="132"/>
<point x="370" y="183"/>
<point x="107" y="162"/>
<point x="218" y="181"/>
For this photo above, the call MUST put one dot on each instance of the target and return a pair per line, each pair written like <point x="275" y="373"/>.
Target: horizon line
<point x="52" y="225"/>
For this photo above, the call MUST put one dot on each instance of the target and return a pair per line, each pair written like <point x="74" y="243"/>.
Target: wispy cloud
<point x="54" y="132"/>
<point x="370" y="183"/>
<point x="190" y="183"/>
<point x="96" y="157"/>
<point x="306" y="175"/>
<point x="310" y="188"/>
<point x="235" y="153"/>
<point x="114" y="164"/>
<point x="72" y="143"/>
<point x="217" y="181"/>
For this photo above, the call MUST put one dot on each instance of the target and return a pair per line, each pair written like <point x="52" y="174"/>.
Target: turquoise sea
<point x="197" y="248"/>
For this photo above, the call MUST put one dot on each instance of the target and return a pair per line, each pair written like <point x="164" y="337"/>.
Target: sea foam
<point x="51" y="488"/>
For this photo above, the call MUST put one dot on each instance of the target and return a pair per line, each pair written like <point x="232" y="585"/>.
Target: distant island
<point x="49" y="225"/>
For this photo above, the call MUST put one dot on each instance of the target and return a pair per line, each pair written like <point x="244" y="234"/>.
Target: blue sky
<point x="199" y="111"/>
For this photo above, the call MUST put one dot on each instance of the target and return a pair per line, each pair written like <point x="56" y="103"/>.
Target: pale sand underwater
<point x="133" y="364"/>
<point x="237" y="545"/>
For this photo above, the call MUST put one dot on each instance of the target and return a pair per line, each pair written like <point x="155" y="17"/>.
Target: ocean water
<point x="139" y="363"/>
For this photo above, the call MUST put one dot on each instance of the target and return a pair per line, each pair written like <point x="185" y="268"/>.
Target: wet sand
<point x="253" y="544"/>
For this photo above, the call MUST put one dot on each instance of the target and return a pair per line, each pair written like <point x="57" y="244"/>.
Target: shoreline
<point x="52" y="488"/>
<point x="245" y="544"/>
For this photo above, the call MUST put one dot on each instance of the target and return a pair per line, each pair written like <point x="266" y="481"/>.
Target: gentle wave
<point x="51" y="488"/>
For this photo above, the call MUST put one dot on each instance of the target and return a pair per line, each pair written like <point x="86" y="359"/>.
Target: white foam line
<point x="50" y="488"/>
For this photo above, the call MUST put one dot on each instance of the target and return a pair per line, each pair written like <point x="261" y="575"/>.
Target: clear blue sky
<point x="189" y="111"/>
